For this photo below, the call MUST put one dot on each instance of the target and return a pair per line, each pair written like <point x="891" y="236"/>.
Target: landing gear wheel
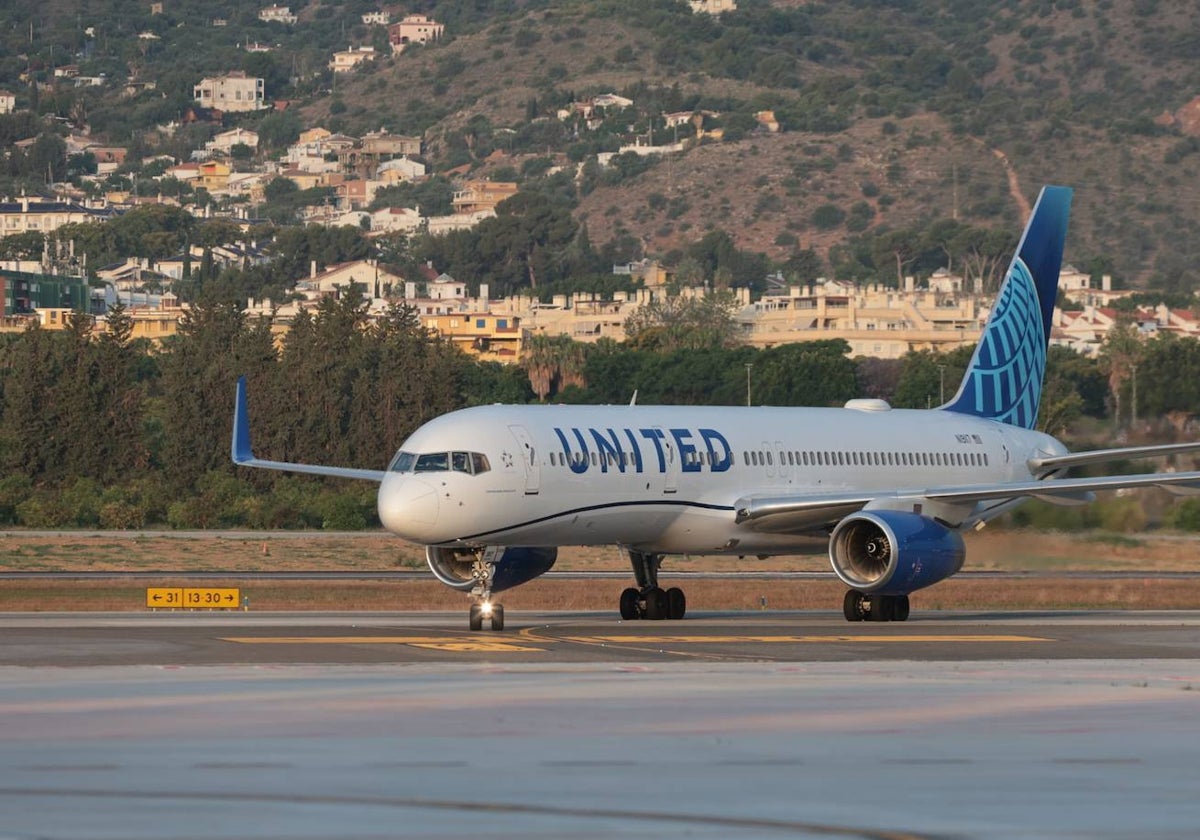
<point x="853" y="606"/>
<point x="656" y="604"/>
<point x="900" y="608"/>
<point x="629" y="604"/>
<point x="475" y="618"/>
<point x="676" y="603"/>
<point x="497" y="618"/>
<point x="881" y="608"/>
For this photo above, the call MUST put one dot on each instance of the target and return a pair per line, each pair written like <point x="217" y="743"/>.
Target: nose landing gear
<point x="483" y="570"/>
<point x="489" y="612"/>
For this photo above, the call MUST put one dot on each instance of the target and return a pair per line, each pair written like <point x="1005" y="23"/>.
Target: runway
<point x="215" y="638"/>
<point x="212" y="725"/>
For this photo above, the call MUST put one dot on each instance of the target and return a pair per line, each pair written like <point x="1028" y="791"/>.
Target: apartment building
<point x="232" y="92"/>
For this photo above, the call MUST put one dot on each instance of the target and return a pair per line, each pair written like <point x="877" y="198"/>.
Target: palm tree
<point x="1120" y="352"/>
<point x="553" y="362"/>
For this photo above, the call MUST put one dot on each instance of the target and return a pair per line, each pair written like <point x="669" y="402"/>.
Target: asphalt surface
<point x="214" y="726"/>
<point x="238" y="638"/>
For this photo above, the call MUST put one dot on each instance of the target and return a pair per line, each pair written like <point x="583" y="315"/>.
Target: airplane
<point x="492" y="492"/>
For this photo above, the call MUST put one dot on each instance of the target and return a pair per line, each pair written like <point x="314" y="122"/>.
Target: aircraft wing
<point x="243" y="456"/>
<point x="814" y="506"/>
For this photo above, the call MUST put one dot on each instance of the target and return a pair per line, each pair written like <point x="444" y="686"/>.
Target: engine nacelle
<point x="455" y="567"/>
<point x="894" y="553"/>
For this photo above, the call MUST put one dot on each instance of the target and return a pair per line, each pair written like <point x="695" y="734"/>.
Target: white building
<point x="226" y="140"/>
<point x="278" y="14"/>
<point x="395" y="220"/>
<point x="713" y="7"/>
<point x="458" y="221"/>
<point x="400" y="169"/>
<point x="347" y="60"/>
<point x="8" y="102"/>
<point x="232" y="92"/>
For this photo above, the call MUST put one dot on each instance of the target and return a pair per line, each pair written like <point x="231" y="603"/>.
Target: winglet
<point x="243" y="456"/>
<point x="240" y="445"/>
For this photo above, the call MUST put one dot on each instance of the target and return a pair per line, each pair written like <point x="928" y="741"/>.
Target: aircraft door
<point x="533" y="475"/>
<point x="671" y="478"/>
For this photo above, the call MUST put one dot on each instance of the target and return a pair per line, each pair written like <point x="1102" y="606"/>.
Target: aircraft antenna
<point x="633" y="400"/>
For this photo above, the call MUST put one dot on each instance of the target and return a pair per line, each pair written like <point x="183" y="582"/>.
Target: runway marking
<point x="485" y="643"/>
<point x="669" y="639"/>
<point x="451" y="643"/>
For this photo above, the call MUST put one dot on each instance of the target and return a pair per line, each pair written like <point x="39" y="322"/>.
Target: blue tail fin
<point x="1004" y="380"/>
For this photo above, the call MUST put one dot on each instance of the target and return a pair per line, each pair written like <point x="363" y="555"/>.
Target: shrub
<point x="44" y="510"/>
<point x="14" y="490"/>
<point x="828" y="216"/>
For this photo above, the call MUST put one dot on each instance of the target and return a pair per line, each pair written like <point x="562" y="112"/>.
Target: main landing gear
<point x="649" y="600"/>
<point x="859" y="606"/>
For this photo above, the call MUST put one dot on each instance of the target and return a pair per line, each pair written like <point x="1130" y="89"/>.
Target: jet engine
<point x="893" y="552"/>
<point x="462" y="568"/>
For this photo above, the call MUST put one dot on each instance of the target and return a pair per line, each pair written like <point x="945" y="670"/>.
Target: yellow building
<point x="214" y="175"/>
<point x="482" y="195"/>
<point x="493" y="338"/>
<point x="155" y="324"/>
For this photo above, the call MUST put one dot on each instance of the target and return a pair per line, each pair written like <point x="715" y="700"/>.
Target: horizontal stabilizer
<point x="1101" y="456"/>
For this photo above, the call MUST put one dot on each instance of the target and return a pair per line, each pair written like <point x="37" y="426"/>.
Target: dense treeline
<point x="103" y="431"/>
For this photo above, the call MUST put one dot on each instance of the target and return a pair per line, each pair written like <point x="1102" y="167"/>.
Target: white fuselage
<point x="667" y="479"/>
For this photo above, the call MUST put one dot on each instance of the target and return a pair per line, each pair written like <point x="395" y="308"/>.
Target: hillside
<point x="894" y="114"/>
<point x="1068" y="97"/>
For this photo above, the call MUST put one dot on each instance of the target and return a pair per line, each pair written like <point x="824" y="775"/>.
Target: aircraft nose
<point x="408" y="506"/>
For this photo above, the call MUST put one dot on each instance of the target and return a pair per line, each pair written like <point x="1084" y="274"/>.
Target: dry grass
<point x="176" y="556"/>
<point x="710" y="594"/>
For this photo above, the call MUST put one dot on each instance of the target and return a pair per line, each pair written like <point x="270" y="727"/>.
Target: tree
<point x="22" y="246"/>
<point x="200" y="366"/>
<point x="1120" y="354"/>
<point x="553" y="362"/>
<point x="931" y="378"/>
<point x="818" y="373"/>
<point x="668" y="324"/>
<point x="1168" y="377"/>
<point x="803" y="266"/>
<point x="897" y="247"/>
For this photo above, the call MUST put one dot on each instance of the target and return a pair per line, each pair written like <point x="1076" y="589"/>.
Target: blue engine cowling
<point x="510" y="566"/>
<point x="889" y="552"/>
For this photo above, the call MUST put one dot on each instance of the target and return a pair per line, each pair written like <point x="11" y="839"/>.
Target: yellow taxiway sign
<point x="177" y="598"/>
<point x="164" y="598"/>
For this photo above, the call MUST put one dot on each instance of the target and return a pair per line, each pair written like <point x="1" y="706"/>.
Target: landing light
<point x="485" y="608"/>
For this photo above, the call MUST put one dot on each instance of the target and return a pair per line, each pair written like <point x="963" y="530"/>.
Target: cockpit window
<point x="433" y="462"/>
<point x="472" y="463"/>
<point x="403" y="462"/>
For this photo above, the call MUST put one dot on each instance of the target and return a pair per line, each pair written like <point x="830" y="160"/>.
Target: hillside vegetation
<point x="892" y="114"/>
